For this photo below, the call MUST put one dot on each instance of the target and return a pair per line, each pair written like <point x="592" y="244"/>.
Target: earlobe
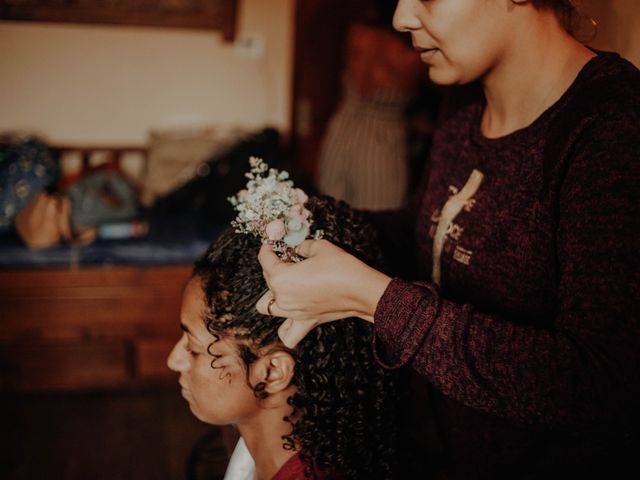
<point x="278" y="371"/>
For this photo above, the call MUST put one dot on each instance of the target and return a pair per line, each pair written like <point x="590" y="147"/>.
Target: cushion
<point x="175" y="155"/>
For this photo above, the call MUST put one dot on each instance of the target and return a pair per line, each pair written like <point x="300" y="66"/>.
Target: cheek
<point x="465" y="59"/>
<point x="210" y="379"/>
<point x="220" y="396"/>
<point x="463" y="30"/>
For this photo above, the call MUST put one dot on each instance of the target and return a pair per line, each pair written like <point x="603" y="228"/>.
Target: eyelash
<point x="188" y="349"/>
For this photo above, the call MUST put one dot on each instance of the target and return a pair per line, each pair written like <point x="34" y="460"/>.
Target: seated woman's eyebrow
<point x="185" y="329"/>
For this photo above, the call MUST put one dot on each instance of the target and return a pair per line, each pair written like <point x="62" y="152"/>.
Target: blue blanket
<point x="150" y="250"/>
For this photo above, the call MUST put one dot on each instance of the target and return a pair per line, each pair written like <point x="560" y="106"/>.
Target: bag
<point x="27" y="167"/>
<point x="102" y="196"/>
<point x="44" y="222"/>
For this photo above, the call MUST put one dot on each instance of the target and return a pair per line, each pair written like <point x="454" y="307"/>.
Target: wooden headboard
<point x="77" y="159"/>
<point x="114" y="153"/>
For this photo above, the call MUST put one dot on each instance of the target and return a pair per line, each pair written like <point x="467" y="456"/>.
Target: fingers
<point x="307" y="248"/>
<point x="267" y="258"/>
<point x="267" y="305"/>
<point x="263" y="303"/>
<point x="292" y="331"/>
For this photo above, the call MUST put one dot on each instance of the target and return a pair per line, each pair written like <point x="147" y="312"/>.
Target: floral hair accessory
<point x="272" y="209"/>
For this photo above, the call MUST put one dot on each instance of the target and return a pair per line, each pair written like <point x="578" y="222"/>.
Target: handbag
<point x="45" y="221"/>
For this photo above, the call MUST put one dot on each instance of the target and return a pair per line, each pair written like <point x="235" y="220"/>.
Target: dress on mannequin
<point x="363" y="158"/>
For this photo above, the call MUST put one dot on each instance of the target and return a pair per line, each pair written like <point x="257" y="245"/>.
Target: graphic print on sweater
<point x="444" y="228"/>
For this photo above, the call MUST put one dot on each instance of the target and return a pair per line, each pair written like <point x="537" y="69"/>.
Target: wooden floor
<point x="145" y="435"/>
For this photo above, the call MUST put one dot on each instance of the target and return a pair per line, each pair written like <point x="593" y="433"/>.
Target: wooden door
<point x="319" y="38"/>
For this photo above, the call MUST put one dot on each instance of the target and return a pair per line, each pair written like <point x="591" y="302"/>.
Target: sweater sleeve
<point x="584" y="368"/>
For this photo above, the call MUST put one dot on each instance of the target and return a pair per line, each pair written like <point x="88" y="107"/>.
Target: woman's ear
<point x="275" y="370"/>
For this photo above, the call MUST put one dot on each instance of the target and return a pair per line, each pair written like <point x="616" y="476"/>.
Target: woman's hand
<point x="328" y="285"/>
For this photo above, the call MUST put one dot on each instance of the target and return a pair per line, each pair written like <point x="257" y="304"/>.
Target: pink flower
<point x="302" y="197"/>
<point x="243" y="195"/>
<point x="275" y="230"/>
<point x="299" y="212"/>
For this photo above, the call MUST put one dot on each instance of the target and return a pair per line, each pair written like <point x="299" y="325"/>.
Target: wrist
<point x="369" y="292"/>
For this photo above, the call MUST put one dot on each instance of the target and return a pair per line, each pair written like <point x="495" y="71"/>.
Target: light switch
<point x="250" y="46"/>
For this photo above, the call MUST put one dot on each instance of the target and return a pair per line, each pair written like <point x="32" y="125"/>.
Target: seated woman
<point x="324" y="409"/>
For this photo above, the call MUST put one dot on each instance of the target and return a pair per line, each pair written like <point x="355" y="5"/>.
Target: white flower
<point x="297" y="231"/>
<point x="272" y="209"/>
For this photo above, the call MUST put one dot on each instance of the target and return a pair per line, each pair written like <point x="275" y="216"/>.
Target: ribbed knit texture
<point x="363" y="159"/>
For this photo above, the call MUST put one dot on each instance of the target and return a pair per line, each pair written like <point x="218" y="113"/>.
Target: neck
<point x="534" y="73"/>
<point x="263" y="435"/>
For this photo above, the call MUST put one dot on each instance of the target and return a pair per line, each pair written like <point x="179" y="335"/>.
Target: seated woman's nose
<point x="177" y="359"/>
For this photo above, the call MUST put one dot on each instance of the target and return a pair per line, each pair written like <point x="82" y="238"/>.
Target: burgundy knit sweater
<point x="524" y="315"/>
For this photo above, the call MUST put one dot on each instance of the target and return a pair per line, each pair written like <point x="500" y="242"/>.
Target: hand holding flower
<point x="330" y="284"/>
<point x="310" y="281"/>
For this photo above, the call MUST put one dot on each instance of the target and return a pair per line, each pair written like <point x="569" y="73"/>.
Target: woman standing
<point x="519" y="297"/>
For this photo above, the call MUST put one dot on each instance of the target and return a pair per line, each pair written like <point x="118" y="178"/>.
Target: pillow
<point x="175" y="155"/>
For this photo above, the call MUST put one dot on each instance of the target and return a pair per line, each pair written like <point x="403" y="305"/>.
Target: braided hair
<point x="344" y="404"/>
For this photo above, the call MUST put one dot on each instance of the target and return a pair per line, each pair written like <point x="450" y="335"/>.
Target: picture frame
<point x="189" y="14"/>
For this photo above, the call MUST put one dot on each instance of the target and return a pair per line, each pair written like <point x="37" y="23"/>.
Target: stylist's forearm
<point x="368" y="292"/>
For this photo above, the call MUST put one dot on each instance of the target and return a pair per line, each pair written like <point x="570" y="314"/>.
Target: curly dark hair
<point x="345" y="402"/>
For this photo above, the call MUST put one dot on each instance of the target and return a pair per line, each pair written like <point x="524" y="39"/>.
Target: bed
<point x="106" y="315"/>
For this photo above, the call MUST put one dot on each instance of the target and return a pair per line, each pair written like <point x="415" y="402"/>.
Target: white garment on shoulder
<point x="241" y="465"/>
